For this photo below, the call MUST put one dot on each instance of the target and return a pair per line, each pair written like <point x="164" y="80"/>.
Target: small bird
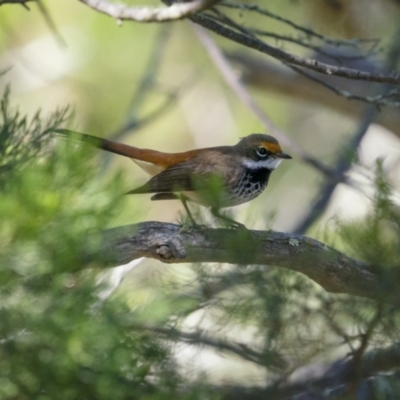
<point x="215" y="177"/>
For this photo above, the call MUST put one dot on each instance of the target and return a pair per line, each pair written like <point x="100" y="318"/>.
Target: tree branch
<point x="355" y="43"/>
<point x="191" y="9"/>
<point x="266" y="76"/>
<point x="343" y="164"/>
<point x="292" y="59"/>
<point x="147" y="83"/>
<point x="315" y="379"/>
<point x="22" y="2"/>
<point x="265" y="358"/>
<point x="50" y="23"/>
<point x="145" y="14"/>
<point x="170" y="243"/>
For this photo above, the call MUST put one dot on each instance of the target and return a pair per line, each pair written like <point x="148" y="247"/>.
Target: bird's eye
<point x="263" y="152"/>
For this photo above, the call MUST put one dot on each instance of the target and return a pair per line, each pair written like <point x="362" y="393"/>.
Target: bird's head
<point x="261" y="151"/>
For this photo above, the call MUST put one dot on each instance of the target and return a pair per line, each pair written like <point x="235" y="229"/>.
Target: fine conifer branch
<point x="170" y="243"/>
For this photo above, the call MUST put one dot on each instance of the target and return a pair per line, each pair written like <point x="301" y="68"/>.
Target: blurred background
<point x="155" y="86"/>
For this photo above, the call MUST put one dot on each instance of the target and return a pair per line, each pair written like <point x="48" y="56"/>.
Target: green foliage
<point x="55" y="340"/>
<point x="376" y="239"/>
<point x="21" y="138"/>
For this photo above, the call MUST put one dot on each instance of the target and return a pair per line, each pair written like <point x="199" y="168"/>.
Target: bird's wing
<point x="191" y="175"/>
<point x="174" y="179"/>
<point x="164" y="196"/>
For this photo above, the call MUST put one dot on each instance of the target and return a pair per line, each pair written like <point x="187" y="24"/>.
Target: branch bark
<point x="170" y="243"/>
<point x="146" y="14"/>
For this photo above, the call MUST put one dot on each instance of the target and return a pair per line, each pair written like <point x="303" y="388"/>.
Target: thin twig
<point x="355" y="373"/>
<point x="135" y="124"/>
<point x="305" y="44"/>
<point x="269" y="358"/>
<point x="344" y="162"/>
<point x="273" y="78"/>
<point x="378" y="101"/>
<point x="147" y="83"/>
<point x="292" y="59"/>
<point x="254" y="32"/>
<point x="309" y="32"/>
<point x="50" y="23"/>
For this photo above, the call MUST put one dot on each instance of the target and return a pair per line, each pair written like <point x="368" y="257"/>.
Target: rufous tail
<point x="161" y="159"/>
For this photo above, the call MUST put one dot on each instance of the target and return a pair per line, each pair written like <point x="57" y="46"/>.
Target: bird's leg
<point x="215" y="212"/>
<point x="183" y="199"/>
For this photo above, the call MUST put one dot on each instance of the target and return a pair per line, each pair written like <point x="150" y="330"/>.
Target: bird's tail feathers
<point x="100" y="143"/>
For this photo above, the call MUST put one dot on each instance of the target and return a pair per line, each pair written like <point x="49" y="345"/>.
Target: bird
<point x="215" y="177"/>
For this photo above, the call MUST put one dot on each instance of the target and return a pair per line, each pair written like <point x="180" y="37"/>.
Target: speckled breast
<point x="251" y="183"/>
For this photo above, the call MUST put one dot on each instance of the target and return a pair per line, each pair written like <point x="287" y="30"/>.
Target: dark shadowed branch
<point x="264" y="75"/>
<point x="338" y="375"/>
<point x="389" y="98"/>
<point x="343" y="164"/>
<point x="266" y="358"/>
<point x="292" y="59"/>
<point x="324" y="381"/>
<point x="307" y="31"/>
<point x="148" y="83"/>
<point x="50" y="23"/>
<point x="22" y="2"/>
<point x="170" y="243"/>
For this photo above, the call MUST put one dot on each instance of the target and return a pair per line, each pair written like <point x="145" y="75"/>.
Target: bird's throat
<point x="270" y="163"/>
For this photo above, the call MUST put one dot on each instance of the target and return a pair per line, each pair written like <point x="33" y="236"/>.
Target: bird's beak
<point x="283" y="155"/>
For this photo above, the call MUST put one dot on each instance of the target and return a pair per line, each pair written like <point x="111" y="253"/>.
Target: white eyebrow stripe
<point x="270" y="163"/>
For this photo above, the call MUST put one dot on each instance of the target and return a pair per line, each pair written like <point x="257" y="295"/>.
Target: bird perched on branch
<point x="215" y="177"/>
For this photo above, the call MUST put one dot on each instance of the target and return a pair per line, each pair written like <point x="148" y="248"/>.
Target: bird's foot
<point x="189" y="223"/>
<point x="237" y="225"/>
<point x="229" y="222"/>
